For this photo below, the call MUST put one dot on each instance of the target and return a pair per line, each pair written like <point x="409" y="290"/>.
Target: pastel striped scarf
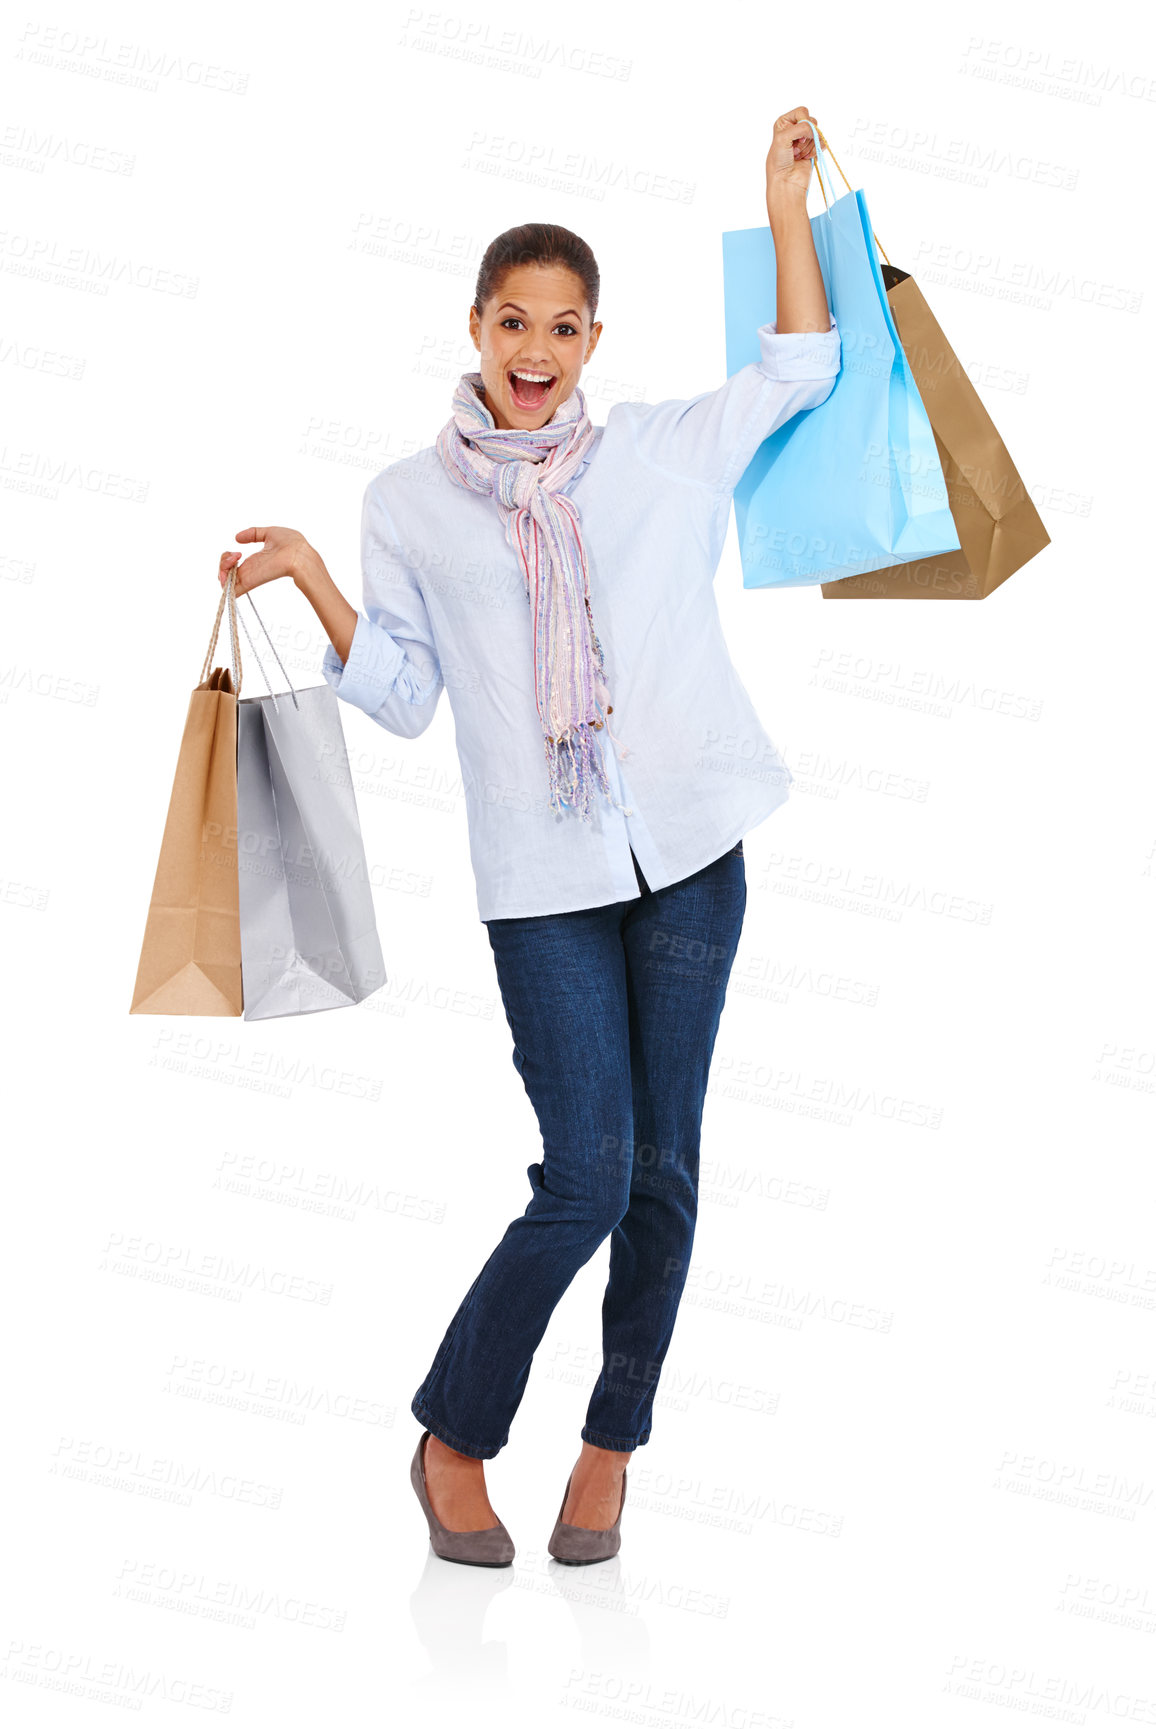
<point x="523" y="470"/>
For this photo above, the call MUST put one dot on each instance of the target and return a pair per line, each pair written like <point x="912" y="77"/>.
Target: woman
<point x="552" y="574"/>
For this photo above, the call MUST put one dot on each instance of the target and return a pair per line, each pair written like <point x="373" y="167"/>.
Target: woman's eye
<point x="569" y="328"/>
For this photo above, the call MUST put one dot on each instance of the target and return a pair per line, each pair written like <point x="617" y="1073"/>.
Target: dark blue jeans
<point x="614" y="1012"/>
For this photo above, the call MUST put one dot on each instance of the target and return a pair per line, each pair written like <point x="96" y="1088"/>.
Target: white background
<point x="902" y="1469"/>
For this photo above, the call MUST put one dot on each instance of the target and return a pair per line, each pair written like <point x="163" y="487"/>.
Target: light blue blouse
<point x="445" y="606"/>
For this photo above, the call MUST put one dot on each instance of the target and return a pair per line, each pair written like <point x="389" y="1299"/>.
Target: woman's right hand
<point x="285" y="553"/>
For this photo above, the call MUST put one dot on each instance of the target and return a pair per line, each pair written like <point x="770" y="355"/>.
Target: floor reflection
<point x="450" y="1603"/>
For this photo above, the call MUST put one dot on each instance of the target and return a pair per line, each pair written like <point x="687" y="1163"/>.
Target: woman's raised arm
<point x="800" y="297"/>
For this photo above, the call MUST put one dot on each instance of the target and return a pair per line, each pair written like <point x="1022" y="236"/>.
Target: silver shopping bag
<point x="308" y="932"/>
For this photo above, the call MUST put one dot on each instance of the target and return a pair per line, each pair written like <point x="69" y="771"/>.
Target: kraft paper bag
<point x="308" y="934"/>
<point x="998" y="525"/>
<point x="190" y="959"/>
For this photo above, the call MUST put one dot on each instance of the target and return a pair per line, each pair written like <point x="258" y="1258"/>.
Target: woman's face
<point x="536" y="322"/>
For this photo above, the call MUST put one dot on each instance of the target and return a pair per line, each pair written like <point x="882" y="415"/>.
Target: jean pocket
<point x="737" y="850"/>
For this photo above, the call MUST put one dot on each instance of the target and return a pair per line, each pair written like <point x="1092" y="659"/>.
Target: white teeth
<point x="535" y="377"/>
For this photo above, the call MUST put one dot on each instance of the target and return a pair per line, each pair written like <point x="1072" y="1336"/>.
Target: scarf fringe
<point x="571" y="764"/>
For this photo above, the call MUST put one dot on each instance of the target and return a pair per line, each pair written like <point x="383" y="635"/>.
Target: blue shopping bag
<point x="856" y="483"/>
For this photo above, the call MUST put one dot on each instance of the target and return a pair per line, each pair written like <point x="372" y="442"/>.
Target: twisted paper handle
<point x="819" y="176"/>
<point x="229" y="594"/>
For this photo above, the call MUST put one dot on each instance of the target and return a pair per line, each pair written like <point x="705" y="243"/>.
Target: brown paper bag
<point x="190" y="960"/>
<point x="999" y="527"/>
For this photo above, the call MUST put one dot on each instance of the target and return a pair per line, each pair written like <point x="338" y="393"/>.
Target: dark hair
<point x="536" y="243"/>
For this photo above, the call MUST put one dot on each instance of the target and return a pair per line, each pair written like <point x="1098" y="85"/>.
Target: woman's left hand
<point x="792" y="152"/>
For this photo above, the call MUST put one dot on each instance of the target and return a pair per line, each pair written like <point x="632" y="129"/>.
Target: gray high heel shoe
<point x="578" y="1545"/>
<point x="491" y="1547"/>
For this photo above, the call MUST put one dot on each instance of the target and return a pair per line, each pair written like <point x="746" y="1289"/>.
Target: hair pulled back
<point x="536" y="243"/>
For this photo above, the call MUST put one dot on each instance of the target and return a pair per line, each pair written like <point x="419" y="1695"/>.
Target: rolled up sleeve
<point x="799" y="355"/>
<point x="393" y="672"/>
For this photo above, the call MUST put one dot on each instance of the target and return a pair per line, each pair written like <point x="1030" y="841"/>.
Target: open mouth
<point x="530" y="392"/>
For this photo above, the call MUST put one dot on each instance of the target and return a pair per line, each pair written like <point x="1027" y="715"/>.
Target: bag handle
<point x="229" y="595"/>
<point x="821" y="145"/>
<point x="276" y="656"/>
<point x="822" y="168"/>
